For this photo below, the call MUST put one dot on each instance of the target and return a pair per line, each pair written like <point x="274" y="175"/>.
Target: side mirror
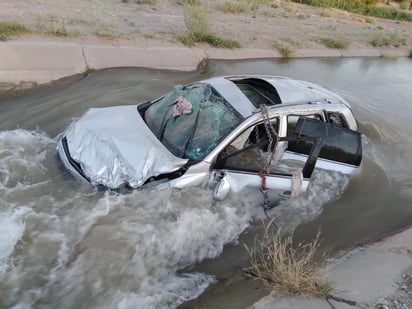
<point x="222" y="189"/>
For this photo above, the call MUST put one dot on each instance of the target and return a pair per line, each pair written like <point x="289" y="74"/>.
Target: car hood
<point x="114" y="146"/>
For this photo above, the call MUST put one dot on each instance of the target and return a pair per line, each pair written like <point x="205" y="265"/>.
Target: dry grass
<point x="198" y="30"/>
<point x="289" y="268"/>
<point x="283" y="48"/>
<point x="241" y="6"/>
<point x="57" y="25"/>
<point x="235" y="7"/>
<point x="327" y="13"/>
<point x="388" y="39"/>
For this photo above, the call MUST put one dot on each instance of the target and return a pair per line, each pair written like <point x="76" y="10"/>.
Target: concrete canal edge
<point x="41" y="62"/>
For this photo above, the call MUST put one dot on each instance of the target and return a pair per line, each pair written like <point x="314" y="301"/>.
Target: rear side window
<point x="336" y="119"/>
<point x="339" y="144"/>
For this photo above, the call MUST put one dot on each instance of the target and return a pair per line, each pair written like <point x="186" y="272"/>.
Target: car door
<point x="341" y="150"/>
<point x="239" y="167"/>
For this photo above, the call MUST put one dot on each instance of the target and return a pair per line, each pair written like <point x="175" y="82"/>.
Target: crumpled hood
<point x="114" y="146"/>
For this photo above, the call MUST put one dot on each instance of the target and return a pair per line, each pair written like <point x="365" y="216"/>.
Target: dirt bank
<point x="278" y="24"/>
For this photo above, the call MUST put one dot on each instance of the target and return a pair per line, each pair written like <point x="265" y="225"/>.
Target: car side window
<point x="293" y="120"/>
<point x="338" y="144"/>
<point x="243" y="153"/>
<point x="337" y="119"/>
<point x="302" y="146"/>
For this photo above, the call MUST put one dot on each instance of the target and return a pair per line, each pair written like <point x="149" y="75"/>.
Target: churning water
<point x="65" y="244"/>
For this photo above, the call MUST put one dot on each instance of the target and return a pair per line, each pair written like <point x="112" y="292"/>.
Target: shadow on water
<point x="144" y="248"/>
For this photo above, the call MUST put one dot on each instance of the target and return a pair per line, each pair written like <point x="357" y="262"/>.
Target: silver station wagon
<point x="235" y="134"/>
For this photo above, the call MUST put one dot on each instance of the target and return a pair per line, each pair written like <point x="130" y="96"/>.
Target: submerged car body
<point x="224" y="131"/>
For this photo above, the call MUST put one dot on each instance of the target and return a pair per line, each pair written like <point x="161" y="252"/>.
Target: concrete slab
<point x="367" y="275"/>
<point x="317" y="53"/>
<point x="240" y="54"/>
<point x="394" y="52"/>
<point x="361" y="53"/>
<point x="167" y="58"/>
<point x="274" y="302"/>
<point x="41" y="62"/>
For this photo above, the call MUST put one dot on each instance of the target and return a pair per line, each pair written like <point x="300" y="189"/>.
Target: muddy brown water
<point x="65" y="244"/>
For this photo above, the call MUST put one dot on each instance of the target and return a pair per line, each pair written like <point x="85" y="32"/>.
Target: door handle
<point x="286" y="194"/>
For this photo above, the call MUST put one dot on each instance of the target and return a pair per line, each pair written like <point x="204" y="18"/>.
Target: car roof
<point x="274" y="90"/>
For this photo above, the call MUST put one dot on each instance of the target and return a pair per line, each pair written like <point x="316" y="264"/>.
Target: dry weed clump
<point x="197" y="26"/>
<point x="291" y="269"/>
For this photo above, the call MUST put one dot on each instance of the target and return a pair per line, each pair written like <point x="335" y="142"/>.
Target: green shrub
<point x="190" y="39"/>
<point x="10" y="28"/>
<point x="333" y="43"/>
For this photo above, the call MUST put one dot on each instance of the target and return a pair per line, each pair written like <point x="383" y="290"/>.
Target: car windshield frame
<point x="192" y="120"/>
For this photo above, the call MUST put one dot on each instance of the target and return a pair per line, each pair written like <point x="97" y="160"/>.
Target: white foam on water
<point x="132" y="249"/>
<point x="12" y="227"/>
<point x="166" y="294"/>
<point x="21" y="154"/>
<point x="325" y="186"/>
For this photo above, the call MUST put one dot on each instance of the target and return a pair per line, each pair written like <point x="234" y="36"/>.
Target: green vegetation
<point x="363" y="7"/>
<point x="88" y="70"/>
<point x="107" y="32"/>
<point x="10" y="28"/>
<point x="333" y="43"/>
<point x="278" y="263"/>
<point x="388" y="39"/>
<point x="198" y="30"/>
